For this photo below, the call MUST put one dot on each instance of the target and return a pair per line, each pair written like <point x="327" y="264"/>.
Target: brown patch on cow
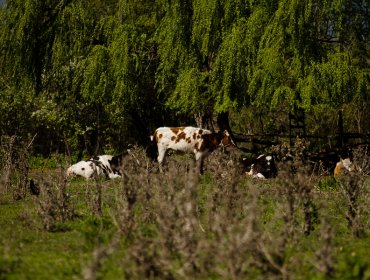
<point x="200" y="131"/>
<point x="338" y="169"/>
<point x="226" y="140"/>
<point x="199" y="136"/>
<point x="158" y="136"/>
<point x="196" y="147"/>
<point x="210" y="141"/>
<point x="173" y="138"/>
<point x="215" y="141"/>
<point x="155" y="136"/>
<point x="188" y="140"/>
<point x="177" y="130"/>
<point x="194" y="136"/>
<point x="181" y="135"/>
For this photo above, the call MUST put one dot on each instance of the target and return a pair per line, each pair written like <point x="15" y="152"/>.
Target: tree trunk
<point x="205" y="120"/>
<point x="214" y="122"/>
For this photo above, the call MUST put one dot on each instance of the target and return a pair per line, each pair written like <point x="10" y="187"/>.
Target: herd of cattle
<point x="199" y="141"/>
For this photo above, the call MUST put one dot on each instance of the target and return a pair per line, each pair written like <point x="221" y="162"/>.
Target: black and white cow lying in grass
<point x="262" y="167"/>
<point x="96" y="166"/>
<point x="104" y="165"/>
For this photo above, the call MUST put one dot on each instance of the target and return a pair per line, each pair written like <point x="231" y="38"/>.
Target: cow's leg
<point x="160" y="158"/>
<point x="201" y="164"/>
<point x="199" y="157"/>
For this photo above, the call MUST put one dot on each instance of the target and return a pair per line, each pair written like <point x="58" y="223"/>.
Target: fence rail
<point x="334" y="141"/>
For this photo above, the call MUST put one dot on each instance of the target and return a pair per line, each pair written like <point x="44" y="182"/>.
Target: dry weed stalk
<point x="7" y="144"/>
<point x="235" y="231"/>
<point x="176" y="216"/>
<point x="354" y="189"/>
<point x="297" y="188"/>
<point x="147" y="256"/>
<point x="99" y="255"/>
<point x="325" y="254"/>
<point x="270" y="256"/>
<point x="297" y="183"/>
<point x="94" y="196"/>
<point x="123" y="215"/>
<point x="14" y="170"/>
<point x="54" y="203"/>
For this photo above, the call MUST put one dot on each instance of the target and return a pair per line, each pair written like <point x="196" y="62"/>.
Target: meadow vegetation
<point x="181" y="225"/>
<point x="80" y="78"/>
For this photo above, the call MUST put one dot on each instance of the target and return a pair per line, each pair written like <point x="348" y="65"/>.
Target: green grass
<point x="158" y="248"/>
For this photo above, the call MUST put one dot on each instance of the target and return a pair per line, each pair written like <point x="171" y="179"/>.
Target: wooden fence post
<point x="340" y="139"/>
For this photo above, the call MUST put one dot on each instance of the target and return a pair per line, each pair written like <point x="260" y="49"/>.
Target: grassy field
<point x="179" y="225"/>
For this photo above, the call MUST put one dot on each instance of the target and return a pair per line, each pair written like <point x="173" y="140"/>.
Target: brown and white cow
<point x="189" y="139"/>
<point x="342" y="165"/>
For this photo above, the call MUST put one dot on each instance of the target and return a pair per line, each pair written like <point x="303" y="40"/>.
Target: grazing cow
<point x="262" y="167"/>
<point x="189" y="139"/>
<point x="95" y="166"/>
<point x="342" y="165"/>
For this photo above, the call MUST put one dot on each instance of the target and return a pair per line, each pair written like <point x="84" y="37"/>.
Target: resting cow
<point x="342" y="165"/>
<point x="262" y="167"/>
<point x="116" y="162"/>
<point x="95" y="166"/>
<point x="189" y="139"/>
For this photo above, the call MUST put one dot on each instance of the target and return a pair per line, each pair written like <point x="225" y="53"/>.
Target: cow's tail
<point x="151" y="147"/>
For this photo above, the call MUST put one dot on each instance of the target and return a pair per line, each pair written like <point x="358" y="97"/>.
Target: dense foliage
<point x="96" y="74"/>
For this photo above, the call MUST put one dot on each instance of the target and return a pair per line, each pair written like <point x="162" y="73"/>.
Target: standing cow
<point x="189" y="139"/>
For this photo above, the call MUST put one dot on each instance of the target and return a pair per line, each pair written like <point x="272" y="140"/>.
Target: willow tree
<point x="26" y="37"/>
<point x="218" y="56"/>
<point x="85" y="71"/>
<point x="103" y="62"/>
<point x="76" y="79"/>
<point x="312" y="56"/>
<point x="188" y="36"/>
<point x="209" y="55"/>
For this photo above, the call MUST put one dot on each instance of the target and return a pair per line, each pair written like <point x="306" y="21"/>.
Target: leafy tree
<point x="95" y="74"/>
<point x="305" y="50"/>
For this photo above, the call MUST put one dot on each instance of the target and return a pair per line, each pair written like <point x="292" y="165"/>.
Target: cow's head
<point x="226" y="139"/>
<point x="344" y="165"/>
<point x="347" y="164"/>
<point x="70" y="172"/>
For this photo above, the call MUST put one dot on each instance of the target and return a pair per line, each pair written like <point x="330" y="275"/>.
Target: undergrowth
<point x="181" y="225"/>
